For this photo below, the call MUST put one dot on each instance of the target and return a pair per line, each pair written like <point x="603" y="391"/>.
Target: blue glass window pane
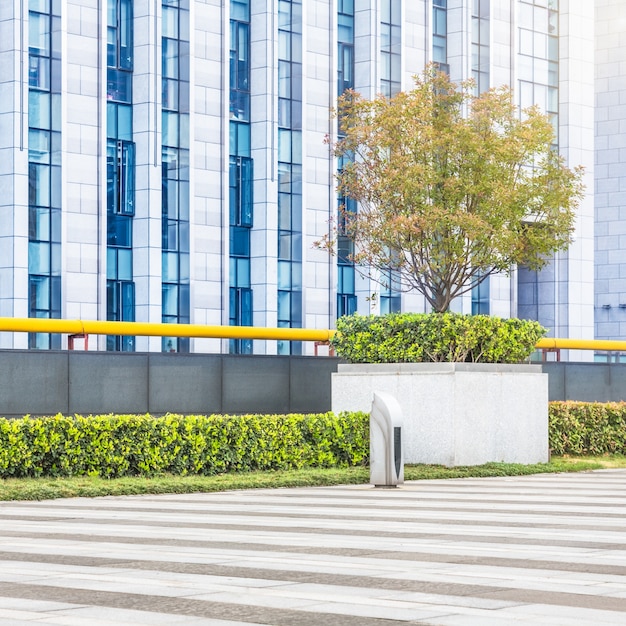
<point x="170" y="129"/>
<point x="55" y="187"/>
<point x="38" y="184"/>
<point x="39" y="72"/>
<point x="183" y="236"/>
<point x="39" y="293"/>
<point x="124" y="264"/>
<point x="126" y="34"/>
<point x="246" y="307"/>
<point x="239" y="241"/>
<point x="170" y="299"/>
<point x="183" y="267"/>
<point x="284" y="306"/>
<point x="39" y="146"/>
<point x="127" y="179"/>
<point x="38" y="224"/>
<point x="39" y="109"/>
<point x="170" y="266"/>
<point x="128" y="302"/>
<point x="111" y="263"/>
<point x="119" y="85"/>
<point x="284" y="145"/>
<point x="169" y="62"/>
<point x="55" y="259"/>
<point x="119" y="232"/>
<point x="39" y="34"/>
<point x="284" y="275"/>
<point x="183" y="206"/>
<point x="38" y="258"/>
<point x="170" y="22"/>
<point x="243" y="272"/>
<point x="43" y="6"/>
<point x="124" y="122"/>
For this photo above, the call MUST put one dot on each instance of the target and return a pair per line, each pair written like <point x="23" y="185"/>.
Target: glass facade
<point x="390" y="47"/>
<point x="289" y="170"/>
<point x="480" y="74"/>
<point x="120" y="171"/>
<point x="538" y="72"/>
<point x="390" y="60"/>
<point x="240" y="174"/>
<point x="346" y="295"/>
<point x="480" y="44"/>
<point x="440" y="35"/>
<point x="175" y="170"/>
<point x="44" y="166"/>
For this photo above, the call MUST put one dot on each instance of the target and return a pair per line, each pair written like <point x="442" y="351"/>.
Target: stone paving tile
<point x="541" y="550"/>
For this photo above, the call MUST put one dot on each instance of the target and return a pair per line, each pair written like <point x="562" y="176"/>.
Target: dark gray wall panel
<point x="185" y="383"/>
<point x="255" y="384"/>
<point x="310" y="384"/>
<point x="103" y="382"/>
<point x="33" y="382"/>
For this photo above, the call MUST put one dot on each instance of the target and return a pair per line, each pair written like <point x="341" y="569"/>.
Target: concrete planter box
<point x="457" y="413"/>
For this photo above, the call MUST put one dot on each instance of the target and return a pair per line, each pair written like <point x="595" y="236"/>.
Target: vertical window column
<point x="346" y="294"/>
<point x="538" y="84"/>
<point x="175" y="170"/>
<point x="289" y="170"/>
<point x="480" y="74"/>
<point x="120" y="171"/>
<point x="44" y="167"/>
<point x="440" y="35"/>
<point x="240" y="174"/>
<point x="390" y="55"/>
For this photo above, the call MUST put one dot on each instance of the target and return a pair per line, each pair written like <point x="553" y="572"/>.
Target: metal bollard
<point x="386" y="456"/>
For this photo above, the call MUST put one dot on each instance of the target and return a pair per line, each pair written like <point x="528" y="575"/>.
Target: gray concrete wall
<point x="46" y="383"/>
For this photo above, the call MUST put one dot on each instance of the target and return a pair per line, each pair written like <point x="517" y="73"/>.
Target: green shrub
<point x="435" y="337"/>
<point x="132" y="445"/>
<point x="589" y="428"/>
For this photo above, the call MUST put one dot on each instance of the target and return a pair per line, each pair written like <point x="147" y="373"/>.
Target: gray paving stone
<point x="542" y="550"/>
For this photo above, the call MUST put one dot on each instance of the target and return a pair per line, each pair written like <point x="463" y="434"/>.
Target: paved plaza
<point x="544" y="550"/>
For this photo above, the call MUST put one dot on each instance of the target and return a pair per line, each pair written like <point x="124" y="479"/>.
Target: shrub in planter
<point x="435" y="337"/>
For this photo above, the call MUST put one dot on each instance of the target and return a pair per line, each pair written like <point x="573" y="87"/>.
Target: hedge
<point x="587" y="428"/>
<point x="132" y="445"/>
<point x="140" y="445"/>
<point x="435" y="337"/>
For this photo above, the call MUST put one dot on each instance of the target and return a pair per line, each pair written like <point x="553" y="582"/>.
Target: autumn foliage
<point x="451" y="187"/>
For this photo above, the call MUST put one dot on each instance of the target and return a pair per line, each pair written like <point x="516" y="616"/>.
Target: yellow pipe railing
<point x="602" y="345"/>
<point x="99" y="327"/>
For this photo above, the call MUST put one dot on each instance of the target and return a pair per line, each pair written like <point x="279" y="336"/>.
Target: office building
<point x="168" y="161"/>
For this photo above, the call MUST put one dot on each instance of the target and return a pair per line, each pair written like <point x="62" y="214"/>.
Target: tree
<point x="451" y="187"/>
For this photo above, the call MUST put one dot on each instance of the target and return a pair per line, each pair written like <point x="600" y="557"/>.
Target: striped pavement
<point x="546" y="550"/>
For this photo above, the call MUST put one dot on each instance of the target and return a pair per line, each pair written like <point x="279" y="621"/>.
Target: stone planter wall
<point x="457" y="413"/>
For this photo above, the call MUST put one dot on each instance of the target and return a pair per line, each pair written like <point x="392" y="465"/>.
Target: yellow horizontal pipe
<point x="582" y="344"/>
<point x="95" y="327"/>
<point x="99" y="327"/>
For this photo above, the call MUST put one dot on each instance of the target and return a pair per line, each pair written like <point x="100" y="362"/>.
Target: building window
<point x="120" y="171"/>
<point x="440" y="35"/>
<point x="480" y="45"/>
<point x="44" y="169"/>
<point x="240" y="174"/>
<point x="390" y="47"/>
<point x="480" y="298"/>
<point x="175" y="277"/>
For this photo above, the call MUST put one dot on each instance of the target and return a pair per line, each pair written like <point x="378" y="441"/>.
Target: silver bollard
<point x="386" y="456"/>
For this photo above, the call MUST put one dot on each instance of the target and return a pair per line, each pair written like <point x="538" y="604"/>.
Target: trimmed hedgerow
<point x="141" y="445"/>
<point x="435" y="337"/>
<point x="590" y="428"/>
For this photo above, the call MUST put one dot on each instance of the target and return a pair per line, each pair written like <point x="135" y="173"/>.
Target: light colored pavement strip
<point x="543" y="550"/>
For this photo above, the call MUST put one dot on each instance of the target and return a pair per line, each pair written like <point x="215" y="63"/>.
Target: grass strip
<point x="92" y="486"/>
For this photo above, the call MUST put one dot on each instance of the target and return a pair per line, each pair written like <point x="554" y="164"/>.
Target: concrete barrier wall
<point x="46" y="383"/>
